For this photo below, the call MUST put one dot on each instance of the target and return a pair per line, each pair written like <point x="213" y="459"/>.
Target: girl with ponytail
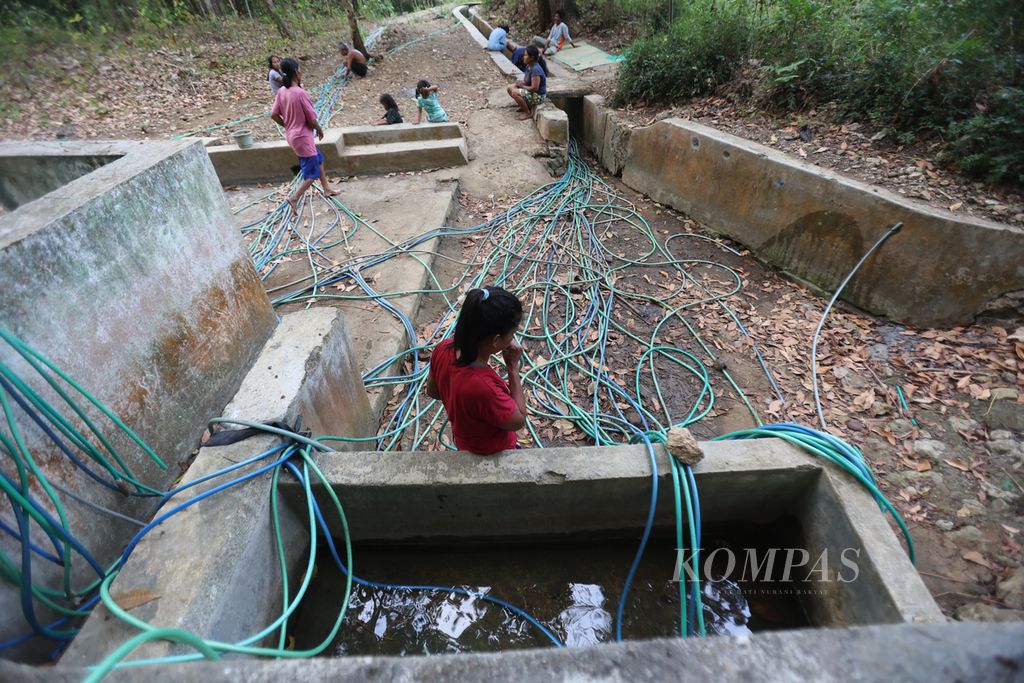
<point x="484" y="411"/>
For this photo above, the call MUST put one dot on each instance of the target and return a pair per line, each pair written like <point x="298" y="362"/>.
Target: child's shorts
<point x="359" y="69"/>
<point x="532" y="98"/>
<point x="311" y="165"/>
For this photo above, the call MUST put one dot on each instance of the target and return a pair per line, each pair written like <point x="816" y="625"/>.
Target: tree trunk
<point x="353" y="25"/>
<point x="544" y="18"/>
<point x="282" y="27"/>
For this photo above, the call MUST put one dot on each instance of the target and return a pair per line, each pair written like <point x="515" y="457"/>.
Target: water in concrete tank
<point x="571" y="585"/>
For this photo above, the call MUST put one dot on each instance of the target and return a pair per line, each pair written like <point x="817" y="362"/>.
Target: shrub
<point x="991" y="145"/>
<point x="702" y="49"/>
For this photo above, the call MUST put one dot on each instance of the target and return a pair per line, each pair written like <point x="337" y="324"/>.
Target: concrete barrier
<point x="306" y="369"/>
<point x="514" y="496"/>
<point x="359" y="150"/>
<point x="133" y="280"/>
<point x="813" y="223"/>
<point x="909" y="653"/>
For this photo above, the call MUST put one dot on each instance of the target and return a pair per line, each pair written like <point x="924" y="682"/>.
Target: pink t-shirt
<point x="295" y="107"/>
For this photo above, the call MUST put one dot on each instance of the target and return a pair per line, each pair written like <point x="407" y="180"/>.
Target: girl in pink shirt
<point x="293" y="111"/>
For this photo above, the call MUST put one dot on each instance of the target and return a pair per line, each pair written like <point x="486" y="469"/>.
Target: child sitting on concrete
<point x="426" y="100"/>
<point x="391" y="113"/>
<point x="557" y="37"/>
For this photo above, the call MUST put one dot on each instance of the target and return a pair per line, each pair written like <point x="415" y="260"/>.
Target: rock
<point x="1005" y="415"/>
<point x="683" y="447"/>
<point x="930" y="448"/>
<point x="999" y="505"/>
<point x="962" y="424"/>
<point x="1000" y="435"/>
<point x="919" y="480"/>
<point x="1004" y="393"/>
<point x="1004" y="447"/>
<point x="899" y="425"/>
<point x="978" y="611"/>
<point x="968" y="536"/>
<point x="879" y="352"/>
<point x="944" y="524"/>
<point x="1011" y="590"/>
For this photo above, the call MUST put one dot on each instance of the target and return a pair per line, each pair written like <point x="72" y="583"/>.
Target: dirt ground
<point x="952" y="460"/>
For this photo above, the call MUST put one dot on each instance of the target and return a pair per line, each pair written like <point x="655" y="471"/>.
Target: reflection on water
<point x="572" y="589"/>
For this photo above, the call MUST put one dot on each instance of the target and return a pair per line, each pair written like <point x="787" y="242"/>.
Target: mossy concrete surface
<point x="133" y="280"/>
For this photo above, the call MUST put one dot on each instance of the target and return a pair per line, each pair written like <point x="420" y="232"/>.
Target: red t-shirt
<point x="477" y="401"/>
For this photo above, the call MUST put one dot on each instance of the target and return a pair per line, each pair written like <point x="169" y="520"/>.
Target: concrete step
<point x="402" y="132"/>
<point x="404" y="156"/>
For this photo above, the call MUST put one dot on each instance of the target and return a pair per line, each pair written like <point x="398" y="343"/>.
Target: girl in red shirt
<point x="484" y="411"/>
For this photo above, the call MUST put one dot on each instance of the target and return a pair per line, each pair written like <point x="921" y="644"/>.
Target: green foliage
<point x="702" y="49"/>
<point x="910" y="66"/>
<point x="991" y="145"/>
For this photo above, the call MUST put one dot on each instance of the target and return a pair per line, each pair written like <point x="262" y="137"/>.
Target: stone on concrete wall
<point x="552" y="124"/>
<point x="816" y="224"/>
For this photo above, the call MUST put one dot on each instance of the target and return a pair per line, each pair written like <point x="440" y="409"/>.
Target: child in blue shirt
<point x="530" y="91"/>
<point x="498" y="39"/>
<point x="426" y="100"/>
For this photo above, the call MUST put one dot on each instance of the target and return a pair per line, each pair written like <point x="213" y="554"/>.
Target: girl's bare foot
<point x="331" y="193"/>
<point x="293" y="203"/>
<point x="524" y="116"/>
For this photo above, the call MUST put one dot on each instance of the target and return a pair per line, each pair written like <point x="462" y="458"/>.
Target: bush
<point x="702" y="49"/>
<point x="910" y="66"/>
<point x="991" y="145"/>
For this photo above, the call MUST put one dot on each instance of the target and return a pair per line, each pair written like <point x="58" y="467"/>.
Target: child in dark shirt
<point x="391" y="113"/>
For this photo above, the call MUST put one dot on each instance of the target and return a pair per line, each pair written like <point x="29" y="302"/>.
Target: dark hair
<point x="270" y="61"/>
<point x="560" y="14"/>
<point x="504" y="27"/>
<point x="388" y="101"/>
<point x="487" y="312"/>
<point x="543" y="65"/>
<point x="534" y="53"/>
<point x="289" y="67"/>
<point x="421" y="85"/>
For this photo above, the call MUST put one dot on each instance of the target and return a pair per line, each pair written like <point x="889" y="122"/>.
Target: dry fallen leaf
<point x="134" y="597"/>
<point x="953" y="462"/>
<point x="976" y="557"/>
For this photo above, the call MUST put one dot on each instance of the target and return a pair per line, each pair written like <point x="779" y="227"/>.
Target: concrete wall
<point x="357" y="150"/>
<point x="427" y="495"/>
<point x="908" y="653"/>
<point x="133" y="280"/>
<point x="411" y="496"/>
<point x="940" y="270"/>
